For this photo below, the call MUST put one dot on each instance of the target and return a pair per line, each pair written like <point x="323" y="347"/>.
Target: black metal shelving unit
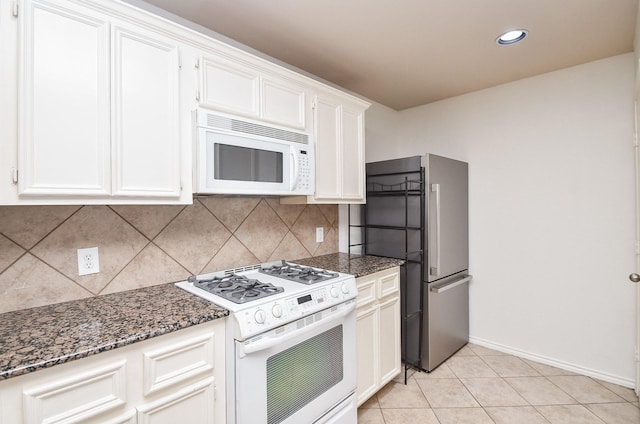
<point x="413" y="186"/>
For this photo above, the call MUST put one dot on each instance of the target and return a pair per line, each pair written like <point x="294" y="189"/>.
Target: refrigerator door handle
<point x="449" y="286"/>
<point x="435" y="270"/>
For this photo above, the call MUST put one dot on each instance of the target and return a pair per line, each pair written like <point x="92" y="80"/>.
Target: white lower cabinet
<point x="178" y="377"/>
<point x="378" y="331"/>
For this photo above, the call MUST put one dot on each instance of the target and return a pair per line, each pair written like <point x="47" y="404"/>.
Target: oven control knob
<point x="345" y="289"/>
<point x="276" y="310"/>
<point x="334" y="292"/>
<point x="260" y="316"/>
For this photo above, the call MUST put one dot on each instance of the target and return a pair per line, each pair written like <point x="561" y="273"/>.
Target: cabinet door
<point x="63" y="146"/>
<point x="78" y="396"/>
<point x="367" y="345"/>
<point x="283" y="102"/>
<point x="328" y="150"/>
<point x="390" y="361"/>
<point x="229" y="86"/>
<point x="145" y="115"/>
<point x="352" y="154"/>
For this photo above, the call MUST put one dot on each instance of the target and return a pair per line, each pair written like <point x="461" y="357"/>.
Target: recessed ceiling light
<point x="511" y="37"/>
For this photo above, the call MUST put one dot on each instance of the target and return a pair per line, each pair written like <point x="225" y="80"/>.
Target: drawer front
<point x="366" y="292"/>
<point x="178" y="362"/>
<point x="77" y="398"/>
<point x="389" y="283"/>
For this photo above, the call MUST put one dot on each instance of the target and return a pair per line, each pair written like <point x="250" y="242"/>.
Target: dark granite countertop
<point x="42" y="337"/>
<point x="356" y="265"/>
<point x="37" y="338"/>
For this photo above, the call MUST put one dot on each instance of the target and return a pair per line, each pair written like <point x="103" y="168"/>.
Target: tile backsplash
<point x="146" y="245"/>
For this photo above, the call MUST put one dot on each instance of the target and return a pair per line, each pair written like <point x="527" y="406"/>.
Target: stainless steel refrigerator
<point x="417" y="210"/>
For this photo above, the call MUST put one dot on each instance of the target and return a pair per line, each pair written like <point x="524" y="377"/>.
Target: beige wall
<point x="146" y="245"/>
<point x="551" y="198"/>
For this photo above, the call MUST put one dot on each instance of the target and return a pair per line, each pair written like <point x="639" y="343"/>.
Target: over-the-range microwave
<point x="239" y="156"/>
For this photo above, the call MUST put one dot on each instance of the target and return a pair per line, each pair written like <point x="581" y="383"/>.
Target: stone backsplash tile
<point x="148" y="245"/>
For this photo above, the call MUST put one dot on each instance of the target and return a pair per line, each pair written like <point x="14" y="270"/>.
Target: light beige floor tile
<point x="510" y="366"/>
<point x="547" y="369"/>
<point x="516" y="415"/>
<point x="624" y="392"/>
<point x="485" y="351"/>
<point x="493" y="392"/>
<point x="371" y="403"/>
<point x="465" y="351"/>
<point x="616" y="413"/>
<point x="584" y="389"/>
<point x="568" y="414"/>
<point x="539" y="391"/>
<point x="443" y="371"/>
<point x="404" y="416"/>
<point x="470" y="367"/>
<point x="398" y="395"/>
<point x="400" y="377"/>
<point x="370" y="416"/>
<point x="447" y="393"/>
<point x="462" y="416"/>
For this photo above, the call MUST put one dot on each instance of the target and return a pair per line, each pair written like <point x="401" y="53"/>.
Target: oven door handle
<point x="269" y="342"/>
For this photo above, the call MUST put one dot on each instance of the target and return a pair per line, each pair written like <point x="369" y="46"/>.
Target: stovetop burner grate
<point x="236" y="288"/>
<point x="298" y="273"/>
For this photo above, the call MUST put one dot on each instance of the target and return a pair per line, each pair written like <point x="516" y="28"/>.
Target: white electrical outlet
<point x="88" y="261"/>
<point x="319" y="234"/>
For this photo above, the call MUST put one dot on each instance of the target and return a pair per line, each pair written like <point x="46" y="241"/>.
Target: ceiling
<point x="412" y="52"/>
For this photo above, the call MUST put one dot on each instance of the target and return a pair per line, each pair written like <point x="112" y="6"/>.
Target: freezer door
<point x="447" y="217"/>
<point x="446" y="327"/>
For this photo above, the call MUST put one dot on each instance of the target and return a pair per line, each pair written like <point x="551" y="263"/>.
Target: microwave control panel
<point x="305" y="170"/>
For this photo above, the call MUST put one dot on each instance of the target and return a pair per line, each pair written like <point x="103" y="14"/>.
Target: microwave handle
<point x="294" y="175"/>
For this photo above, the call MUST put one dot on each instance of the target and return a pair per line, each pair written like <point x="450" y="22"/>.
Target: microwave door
<point x="239" y="165"/>
<point x="235" y="163"/>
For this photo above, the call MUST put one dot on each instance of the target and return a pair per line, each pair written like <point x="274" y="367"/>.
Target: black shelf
<point x="391" y="227"/>
<point x="409" y="188"/>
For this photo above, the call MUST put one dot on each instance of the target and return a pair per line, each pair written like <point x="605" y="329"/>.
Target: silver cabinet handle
<point x="449" y="286"/>
<point x="634" y="277"/>
<point x="435" y="269"/>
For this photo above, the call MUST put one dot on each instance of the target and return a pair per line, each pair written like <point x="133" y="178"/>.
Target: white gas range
<point x="291" y="342"/>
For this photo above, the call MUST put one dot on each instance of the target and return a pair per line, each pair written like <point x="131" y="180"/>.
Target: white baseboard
<point x="626" y="382"/>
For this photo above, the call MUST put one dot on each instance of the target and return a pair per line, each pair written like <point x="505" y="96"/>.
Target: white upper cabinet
<point x="339" y="138"/>
<point x="98" y="97"/>
<point x="99" y="108"/>
<point x="228" y="86"/>
<point x="283" y="102"/>
<point x="352" y="148"/>
<point x="328" y="139"/>
<point x="145" y="115"/>
<point x="245" y="86"/>
<point x="64" y="101"/>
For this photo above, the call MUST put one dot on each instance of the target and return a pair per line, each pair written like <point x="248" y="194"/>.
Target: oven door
<point x="301" y="372"/>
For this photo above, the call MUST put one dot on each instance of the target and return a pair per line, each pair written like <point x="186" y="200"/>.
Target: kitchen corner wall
<point x="147" y="245"/>
<point x="551" y="211"/>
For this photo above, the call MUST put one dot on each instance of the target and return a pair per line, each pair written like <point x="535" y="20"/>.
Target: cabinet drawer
<point x="389" y="284"/>
<point x="366" y="292"/>
<point x="178" y="362"/>
<point x="77" y="398"/>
